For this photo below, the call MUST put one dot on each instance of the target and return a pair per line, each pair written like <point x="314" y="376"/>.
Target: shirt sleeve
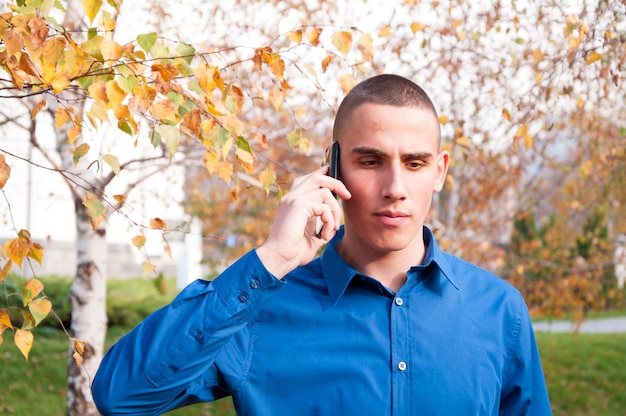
<point x="149" y="370"/>
<point x="524" y="390"/>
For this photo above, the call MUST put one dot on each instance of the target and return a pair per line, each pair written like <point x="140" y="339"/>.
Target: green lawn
<point x="586" y="375"/>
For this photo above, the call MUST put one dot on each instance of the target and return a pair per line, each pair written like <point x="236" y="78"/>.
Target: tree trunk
<point x="89" y="318"/>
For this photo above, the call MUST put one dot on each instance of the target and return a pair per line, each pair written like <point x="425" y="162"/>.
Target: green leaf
<point x="243" y="144"/>
<point x="155" y="138"/>
<point x="95" y="210"/>
<point x="127" y="83"/>
<point x="186" y="51"/>
<point x="147" y="41"/>
<point x="294" y="138"/>
<point x="79" y="152"/>
<point x="171" y="137"/>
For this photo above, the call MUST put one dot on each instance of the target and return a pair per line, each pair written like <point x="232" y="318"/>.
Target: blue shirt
<point x="454" y="340"/>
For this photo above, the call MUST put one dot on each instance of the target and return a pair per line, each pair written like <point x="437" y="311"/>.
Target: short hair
<point x="385" y="89"/>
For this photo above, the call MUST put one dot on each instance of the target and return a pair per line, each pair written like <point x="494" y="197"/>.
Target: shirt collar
<point x="338" y="274"/>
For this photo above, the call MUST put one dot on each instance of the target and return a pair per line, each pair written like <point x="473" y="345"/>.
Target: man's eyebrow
<point x="376" y="152"/>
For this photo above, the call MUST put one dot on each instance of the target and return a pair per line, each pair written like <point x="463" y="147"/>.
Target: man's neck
<point x="390" y="268"/>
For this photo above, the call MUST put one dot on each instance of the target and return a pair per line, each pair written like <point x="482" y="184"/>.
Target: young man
<point x="383" y="323"/>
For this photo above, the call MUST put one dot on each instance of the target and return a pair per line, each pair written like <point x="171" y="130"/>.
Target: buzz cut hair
<point x="384" y="89"/>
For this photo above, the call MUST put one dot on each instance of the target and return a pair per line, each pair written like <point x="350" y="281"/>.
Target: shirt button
<point x="200" y="336"/>
<point x="255" y="284"/>
<point x="243" y="297"/>
<point x="401" y="366"/>
<point x="399" y="301"/>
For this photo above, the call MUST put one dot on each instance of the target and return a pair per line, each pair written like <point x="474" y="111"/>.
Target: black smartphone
<point x="332" y="158"/>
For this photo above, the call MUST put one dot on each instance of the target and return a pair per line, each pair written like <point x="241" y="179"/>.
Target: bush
<point x="129" y="301"/>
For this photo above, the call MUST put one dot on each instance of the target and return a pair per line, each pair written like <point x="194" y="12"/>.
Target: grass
<point x="586" y="373"/>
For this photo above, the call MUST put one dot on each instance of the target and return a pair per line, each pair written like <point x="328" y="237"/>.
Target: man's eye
<point x="369" y="162"/>
<point x="415" y="165"/>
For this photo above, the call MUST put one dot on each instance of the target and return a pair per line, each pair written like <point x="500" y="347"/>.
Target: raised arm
<point x="153" y="369"/>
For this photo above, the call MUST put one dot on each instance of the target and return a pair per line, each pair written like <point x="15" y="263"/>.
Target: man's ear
<point x="443" y="161"/>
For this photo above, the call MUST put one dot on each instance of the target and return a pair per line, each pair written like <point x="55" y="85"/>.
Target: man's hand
<point x="293" y="240"/>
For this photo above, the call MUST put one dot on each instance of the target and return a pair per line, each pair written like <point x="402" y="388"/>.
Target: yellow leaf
<point x="5" y="171"/>
<point x="5" y="319"/>
<point x="115" y="94"/>
<point x="98" y="91"/>
<point x="78" y="359"/>
<point x="120" y="198"/>
<point x="111" y="50"/>
<point x="40" y="105"/>
<point x="326" y="62"/>
<point x="158" y="224"/>
<point x="61" y="116"/>
<point x="585" y="168"/>
<point x="416" y="27"/>
<point x="24" y="341"/>
<point x="92" y="7"/>
<point x="384" y="32"/>
<point x="16" y="249"/>
<point x="95" y="210"/>
<point x="79" y="349"/>
<point x="164" y="110"/>
<point x="113" y="162"/>
<point x="276" y="98"/>
<point x="31" y="290"/>
<point x="463" y="141"/>
<point x="278" y="68"/>
<point x="443" y="119"/>
<point x="592" y="57"/>
<point x="314" y="36"/>
<point x="60" y="81"/>
<point x="168" y="250"/>
<point x="40" y="308"/>
<point x="224" y="171"/>
<point x="295" y="36"/>
<point x="246" y="160"/>
<point x="78" y="346"/>
<point x="13" y="42"/>
<point x="342" y="40"/>
<point x="528" y="141"/>
<point x="139" y="241"/>
<point x="4" y="272"/>
<point x="36" y="252"/>
<point x="366" y="45"/>
<point x="147" y="268"/>
<point x="347" y="82"/>
<point x="506" y="114"/>
<point x="267" y="178"/>
<point x="522" y="131"/>
<point x="210" y="159"/>
<point x="73" y="133"/>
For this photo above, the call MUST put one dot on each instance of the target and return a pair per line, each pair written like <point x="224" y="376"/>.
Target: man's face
<point x="391" y="164"/>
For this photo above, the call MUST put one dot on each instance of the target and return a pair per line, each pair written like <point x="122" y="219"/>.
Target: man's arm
<point x="150" y="369"/>
<point x="524" y="390"/>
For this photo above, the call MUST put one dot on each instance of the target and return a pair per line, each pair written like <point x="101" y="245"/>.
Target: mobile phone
<point x="332" y="160"/>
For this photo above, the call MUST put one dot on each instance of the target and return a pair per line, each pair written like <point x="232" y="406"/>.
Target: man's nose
<point x="394" y="186"/>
